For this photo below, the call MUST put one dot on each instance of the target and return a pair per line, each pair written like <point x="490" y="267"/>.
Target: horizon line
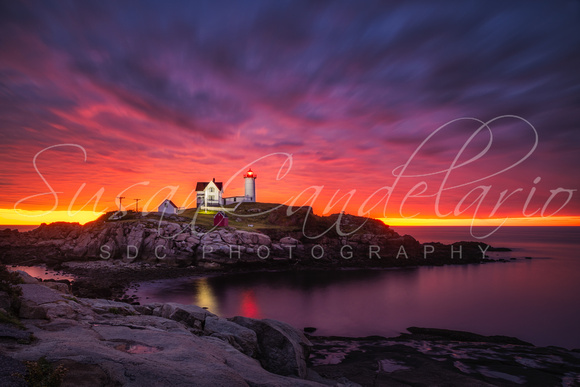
<point x="485" y="222"/>
<point x="9" y="218"/>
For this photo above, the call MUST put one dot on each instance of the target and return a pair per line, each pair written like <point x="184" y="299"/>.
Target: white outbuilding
<point x="168" y="207"/>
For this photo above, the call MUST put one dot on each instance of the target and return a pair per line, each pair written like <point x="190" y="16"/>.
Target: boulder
<point x="264" y="240"/>
<point x="27" y="278"/>
<point x="59" y="287"/>
<point x="181" y="237"/>
<point x="192" y="240"/>
<point x="39" y="294"/>
<point x="283" y="349"/>
<point x="149" y="309"/>
<point x="231" y="238"/>
<point x="289" y="241"/>
<point x="36" y="301"/>
<point x="191" y="315"/>
<point x="101" y="306"/>
<point x="211" y="237"/>
<point x="60" y="309"/>
<point x="241" y="338"/>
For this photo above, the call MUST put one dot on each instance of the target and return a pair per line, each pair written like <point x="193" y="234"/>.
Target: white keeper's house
<point x="211" y="193"/>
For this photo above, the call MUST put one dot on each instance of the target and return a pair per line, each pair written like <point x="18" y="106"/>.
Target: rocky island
<point x="115" y="250"/>
<point x="258" y="235"/>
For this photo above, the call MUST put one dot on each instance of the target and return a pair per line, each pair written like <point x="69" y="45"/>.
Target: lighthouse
<point x="250" y="185"/>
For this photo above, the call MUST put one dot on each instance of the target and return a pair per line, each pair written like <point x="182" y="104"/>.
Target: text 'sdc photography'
<point x="289" y="193"/>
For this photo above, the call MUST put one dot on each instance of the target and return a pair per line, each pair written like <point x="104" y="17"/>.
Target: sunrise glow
<point x="317" y="115"/>
<point x="11" y="217"/>
<point x="532" y="221"/>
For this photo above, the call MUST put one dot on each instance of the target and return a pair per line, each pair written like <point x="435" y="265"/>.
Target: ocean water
<point x="19" y="227"/>
<point x="536" y="300"/>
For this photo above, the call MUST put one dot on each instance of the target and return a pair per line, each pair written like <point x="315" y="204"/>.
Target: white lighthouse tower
<point x="250" y="185"/>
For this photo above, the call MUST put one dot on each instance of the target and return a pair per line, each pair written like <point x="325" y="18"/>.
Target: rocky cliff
<point x="176" y="242"/>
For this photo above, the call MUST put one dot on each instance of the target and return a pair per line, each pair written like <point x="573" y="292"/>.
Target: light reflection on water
<point x="204" y="296"/>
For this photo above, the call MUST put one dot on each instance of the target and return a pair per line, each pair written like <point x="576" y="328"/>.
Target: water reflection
<point x="535" y="300"/>
<point x="204" y="296"/>
<point x="336" y="302"/>
<point x="249" y="306"/>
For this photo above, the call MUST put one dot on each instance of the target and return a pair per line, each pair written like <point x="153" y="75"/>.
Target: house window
<point x="210" y="189"/>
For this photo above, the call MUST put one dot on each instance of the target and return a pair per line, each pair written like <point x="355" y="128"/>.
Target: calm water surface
<point x="535" y="300"/>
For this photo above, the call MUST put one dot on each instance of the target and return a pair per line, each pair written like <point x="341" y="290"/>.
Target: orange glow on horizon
<point x="531" y="221"/>
<point x="33" y="218"/>
<point x="22" y="218"/>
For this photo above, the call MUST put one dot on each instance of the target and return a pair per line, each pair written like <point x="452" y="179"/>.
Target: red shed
<point x="220" y="219"/>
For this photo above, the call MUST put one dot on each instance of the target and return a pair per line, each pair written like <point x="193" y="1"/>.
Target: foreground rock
<point x="283" y="349"/>
<point x="102" y="342"/>
<point x="107" y="343"/>
<point x="437" y="357"/>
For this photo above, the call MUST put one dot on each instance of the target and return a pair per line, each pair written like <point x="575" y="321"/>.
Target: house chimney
<point x="213" y="180"/>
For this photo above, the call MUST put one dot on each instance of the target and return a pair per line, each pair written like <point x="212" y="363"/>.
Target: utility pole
<point x="136" y="205"/>
<point x="120" y="199"/>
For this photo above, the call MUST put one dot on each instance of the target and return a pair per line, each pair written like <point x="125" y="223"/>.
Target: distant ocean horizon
<point x="19" y="227"/>
<point x="505" y="234"/>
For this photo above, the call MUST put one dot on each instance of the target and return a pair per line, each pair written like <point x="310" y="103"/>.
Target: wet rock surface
<point x="434" y="357"/>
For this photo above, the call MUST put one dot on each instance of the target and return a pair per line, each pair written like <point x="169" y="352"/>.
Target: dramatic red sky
<point x="317" y="97"/>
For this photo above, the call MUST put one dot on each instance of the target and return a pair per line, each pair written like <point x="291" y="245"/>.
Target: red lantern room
<point x="250" y="174"/>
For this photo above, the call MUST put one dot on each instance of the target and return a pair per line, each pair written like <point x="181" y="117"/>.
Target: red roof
<point x="200" y="186"/>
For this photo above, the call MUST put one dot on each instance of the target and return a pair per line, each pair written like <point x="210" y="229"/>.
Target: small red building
<point x="220" y="219"/>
